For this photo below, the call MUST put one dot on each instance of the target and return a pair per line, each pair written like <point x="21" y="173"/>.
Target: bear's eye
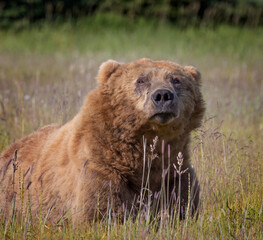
<point x="141" y="80"/>
<point x="142" y="83"/>
<point x="176" y="82"/>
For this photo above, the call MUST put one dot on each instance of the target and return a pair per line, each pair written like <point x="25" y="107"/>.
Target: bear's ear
<point x="195" y="73"/>
<point x="106" y="69"/>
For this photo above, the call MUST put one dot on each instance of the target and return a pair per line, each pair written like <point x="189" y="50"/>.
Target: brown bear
<point x="96" y="161"/>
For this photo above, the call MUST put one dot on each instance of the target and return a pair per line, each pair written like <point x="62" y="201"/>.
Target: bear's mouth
<point x="163" y="118"/>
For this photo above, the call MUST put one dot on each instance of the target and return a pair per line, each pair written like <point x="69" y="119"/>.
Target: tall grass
<point x="45" y="74"/>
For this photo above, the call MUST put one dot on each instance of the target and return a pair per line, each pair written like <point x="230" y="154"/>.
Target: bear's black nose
<point x="162" y="97"/>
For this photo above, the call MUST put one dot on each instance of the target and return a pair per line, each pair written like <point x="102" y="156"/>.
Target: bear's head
<point x="161" y="94"/>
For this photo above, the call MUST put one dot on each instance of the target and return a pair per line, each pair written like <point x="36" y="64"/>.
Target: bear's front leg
<point x="98" y="196"/>
<point x="188" y="192"/>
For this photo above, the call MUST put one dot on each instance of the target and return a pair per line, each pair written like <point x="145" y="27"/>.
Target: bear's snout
<point x="162" y="98"/>
<point x="165" y="106"/>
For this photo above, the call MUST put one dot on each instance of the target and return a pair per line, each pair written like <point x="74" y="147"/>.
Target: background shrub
<point x="181" y="12"/>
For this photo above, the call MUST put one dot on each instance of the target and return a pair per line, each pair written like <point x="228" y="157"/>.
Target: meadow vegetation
<point x="46" y="72"/>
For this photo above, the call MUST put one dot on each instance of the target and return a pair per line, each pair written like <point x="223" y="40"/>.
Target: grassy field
<point x="46" y="72"/>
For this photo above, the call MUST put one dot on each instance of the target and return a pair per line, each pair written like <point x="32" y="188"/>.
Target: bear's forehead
<point x="154" y="68"/>
<point x="155" y="64"/>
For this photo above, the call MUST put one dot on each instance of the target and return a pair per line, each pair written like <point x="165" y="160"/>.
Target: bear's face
<point x="163" y="91"/>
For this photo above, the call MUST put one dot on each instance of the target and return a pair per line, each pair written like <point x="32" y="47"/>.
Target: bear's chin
<point x="163" y="118"/>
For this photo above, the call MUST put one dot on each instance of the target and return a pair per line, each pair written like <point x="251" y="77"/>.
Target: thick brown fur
<point x="96" y="159"/>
